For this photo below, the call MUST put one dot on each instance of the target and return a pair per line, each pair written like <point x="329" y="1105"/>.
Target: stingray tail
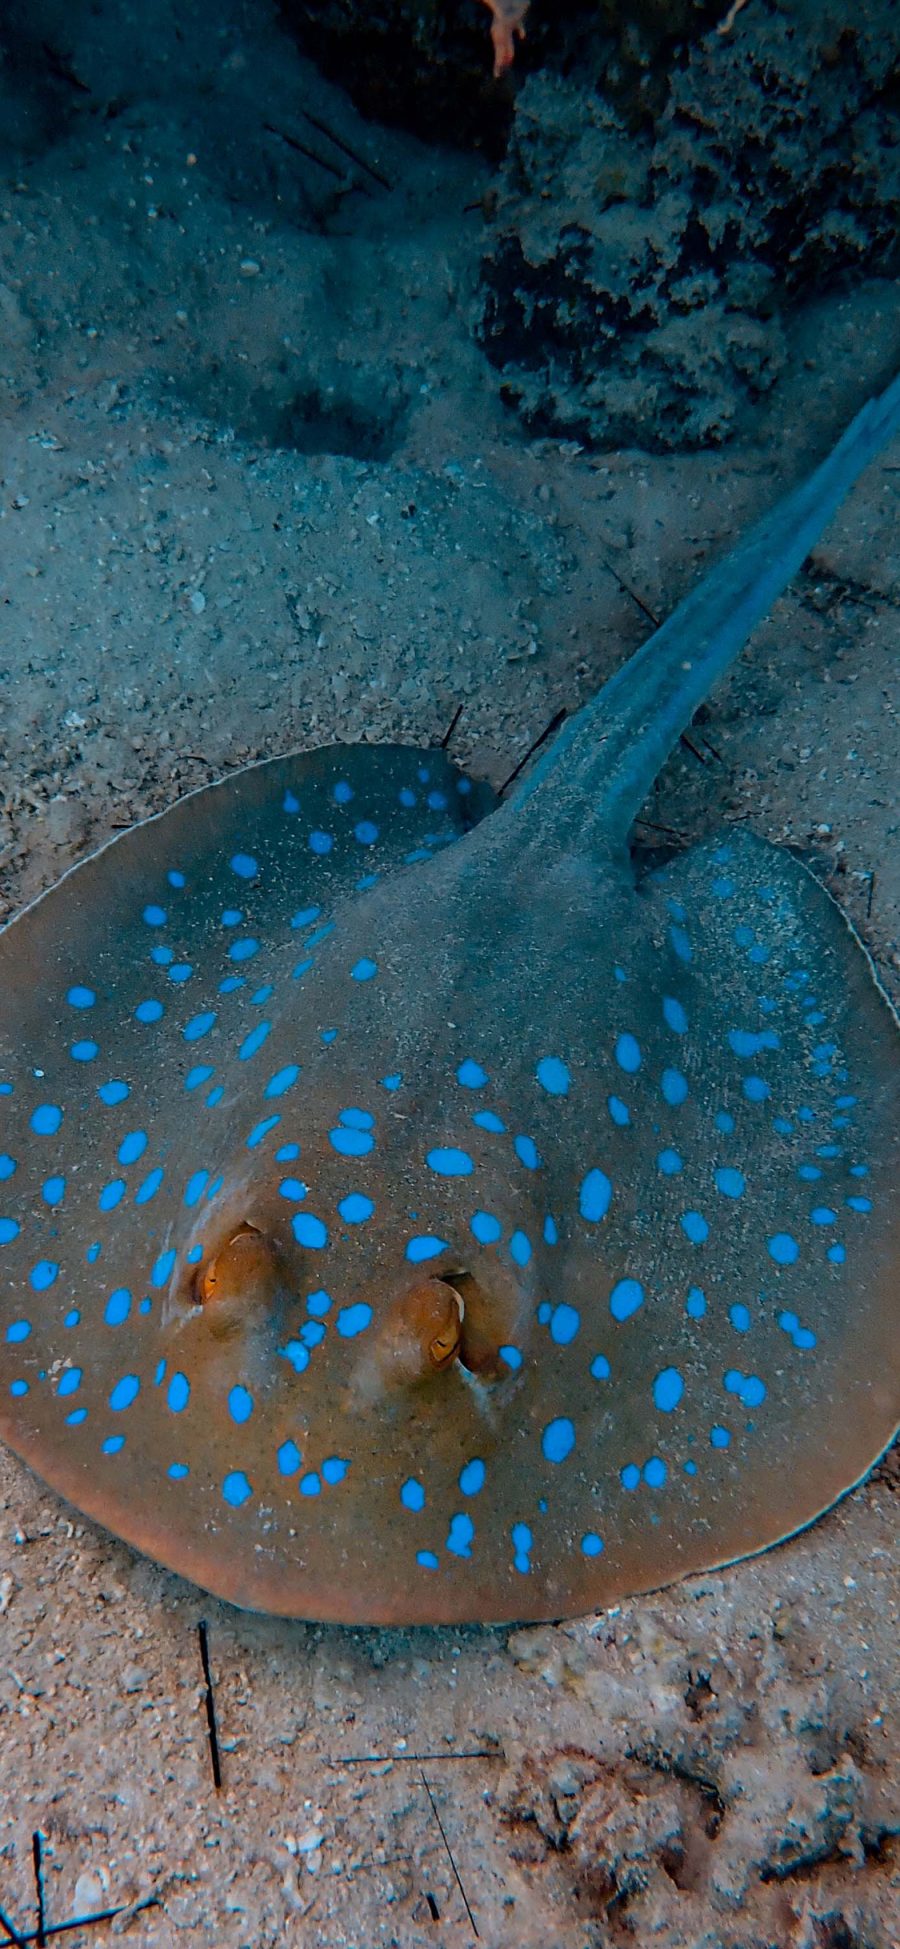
<point x="608" y="756"/>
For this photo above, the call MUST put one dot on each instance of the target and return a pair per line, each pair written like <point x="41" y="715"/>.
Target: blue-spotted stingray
<point x="408" y="1215"/>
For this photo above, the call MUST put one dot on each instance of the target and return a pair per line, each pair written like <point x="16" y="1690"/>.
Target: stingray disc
<point x="393" y="1230"/>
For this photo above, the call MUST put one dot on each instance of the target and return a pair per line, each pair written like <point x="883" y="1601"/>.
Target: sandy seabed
<point x="258" y="492"/>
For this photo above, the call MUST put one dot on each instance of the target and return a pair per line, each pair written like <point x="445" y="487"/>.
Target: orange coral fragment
<point x="506" y="29"/>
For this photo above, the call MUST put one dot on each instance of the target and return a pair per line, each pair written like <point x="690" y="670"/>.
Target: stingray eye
<point x="215" y="1280"/>
<point x="445" y="1345"/>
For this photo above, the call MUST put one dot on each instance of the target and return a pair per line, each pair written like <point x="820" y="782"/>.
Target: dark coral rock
<point x="635" y="284"/>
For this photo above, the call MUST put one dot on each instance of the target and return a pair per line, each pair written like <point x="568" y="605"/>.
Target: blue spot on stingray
<point x="72" y="1318"/>
<point x="694" y="1227"/>
<point x="564" y="1324"/>
<point x="240" y="1404"/>
<point x="366" y="832"/>
<point x="558" y="1439"/>
<point x="124" y="1393"/>
<point x="293" y="1188"/>
<point x="427" y="1559"/>
<point x="553" y="1076"/>
<point x="511" y="1357"/>
<point x="745" y="1043"/>
<point x="630" y="1475"/>
<point x="724" y="1121"/>
<point x="354" y="1119"/>
<point x="46" y="1119"/>
<point x="195" y="1188"/>
<point x="84" y="1051"/>
<point x="356" y="1208"/>
<point x="199" y="1025"/>
<point x="306" y="916"/>
<point x="320" y="843"/>
<point x="318" y="1303"/>
<point x="695" y="1304"/>
<point x="675" y="1015"/>
<point x="118" y="1306"/>
<point x="309" y="1231"/>
<point x="471" y="1478"/>
<point x="471" y="1075"/>
<point x="244" y="866"/>
<point x="254" y="1041"/>
<point x="112" y="1194"/>
<point x="175" y="878"/>
<point x="551" y="1234"/>
<point x="520" y="1248"/>
<point x="406" y="797"/>
<point x="178" y="1471"/>
<point x="600" y="1367"/>
<point x="391" y="1082"/>
<point x="9" y="1230"/>
<point x="591" y="1544"/>
<point x="425" y="1246"/>
<point x="164" y="1267"/>
<point x="132" y="1147"/>
<point x="54" y="1191"/>
<point x="521" y="1541"/>
<point x="297" y="1354"/>
<point x="79" y="997"/>
<point x="201" y="1073"/>
<point x="351" y="1143"/>
<point x="161" y="956"/>
<point x="289" y="1458"/>
<point x="626" y="1296"/>
<point x="236" y="1489"/>
<point x="783" y="1249"/>
<point x="334" y="1468"/>
<point x="618" y="1110"/>
<point x="485" y="1227"/>
<point x="488" y="1120"/>
<point x="43" y="1275"/>
<point x="342" y="793"/>
<point x="19" y="1330"/>
<point x="155" y="916"/>
<point x="352" y="1320"/>
<point x="150" y="1186"/>
<point x="261" y="1130"/>
<point x="674" y="1087"/>
<point x="681" y="944"/>
<point x="668" y="1389"/>
<point x="112" y="1444"/>
<point x="731" y="1183"/>
<point x="628" y="1055"/>
<point x="450" y="1163"/>
<point x="740" y="1318"/>
<point x="149" y="1011"/>
<point x="755" y="1089"/>
<point x="69" y="1382"/>
<point x="460" y="1535"/>
<point x="412" y="1495"/>
<point x="181" y="972"/>
<point x="7" y="1165"/>
<point x="823" y="1215"/>
<point x="527" y="1153"/>
<point x="243" y="950"/>
<point x="655" y="1472"/>
<point x="859" y="1204"/>
<point x="282" y="1080"/>
<point x="310" y="1484"/>
<point x="178" y="1393"/>
<point x="363" y="970"/>
<point x="669" y="1163"/>
<point x="594" y="1196"/>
